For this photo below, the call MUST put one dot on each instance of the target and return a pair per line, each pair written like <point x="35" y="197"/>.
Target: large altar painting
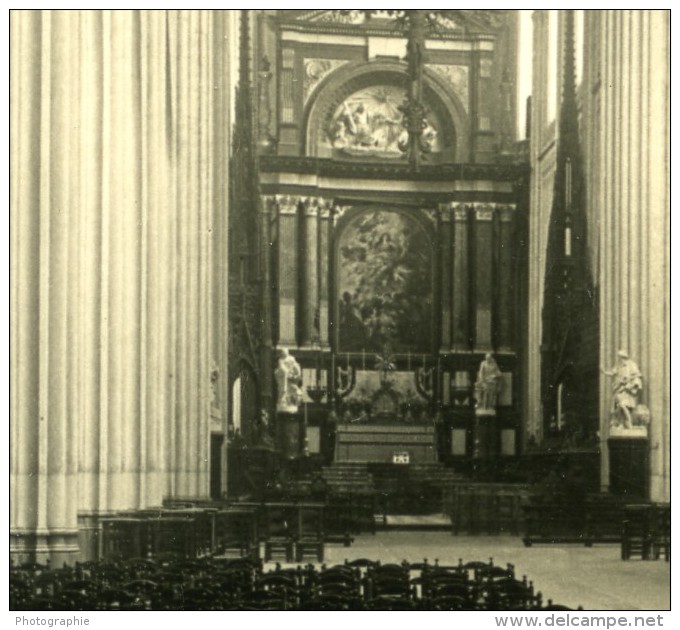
<point x="369" y="123"/>
<point x="384" y="284"/>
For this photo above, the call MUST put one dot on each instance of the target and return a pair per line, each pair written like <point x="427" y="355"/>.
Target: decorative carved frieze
<point x="338" y="211"/>
<point x="460" y="213"/>
<point x="393" y="170"/>
<point x="431" y="214"/>
<point x="316" y="205"/>
<point x="483" y="211"/>
<point x="457" y="77"/>
<point x="340" y="17"/>
<point x="289" y="204"/>
<point x="316" y="70"/>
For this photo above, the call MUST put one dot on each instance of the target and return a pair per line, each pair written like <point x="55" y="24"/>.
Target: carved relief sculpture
<point x="370" y="122"/>
<point x="315" y="71"/>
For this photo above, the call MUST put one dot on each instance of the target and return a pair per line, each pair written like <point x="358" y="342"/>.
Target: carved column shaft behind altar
<point x="302" y="260"/>
<point x="477" y="308"/>
<point x="287" y="268"/>
<point x="460" y="319"/>
<point x="324" y="220"/>
<point x="309" y="271"/>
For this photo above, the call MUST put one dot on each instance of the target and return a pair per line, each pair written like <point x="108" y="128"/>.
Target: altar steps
<point x="421" y="522"/>
<point x="400" y="489"/>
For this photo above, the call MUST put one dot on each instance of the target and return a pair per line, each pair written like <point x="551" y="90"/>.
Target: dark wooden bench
<point x="588" y="520"/>
<point x="124" y="537"/>
<point x="487" y="508"/>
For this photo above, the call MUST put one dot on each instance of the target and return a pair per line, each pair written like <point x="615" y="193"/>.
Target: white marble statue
<point x="288" y="380"/>
<point x="626" y="389"/>
<point x="488" y="385"/>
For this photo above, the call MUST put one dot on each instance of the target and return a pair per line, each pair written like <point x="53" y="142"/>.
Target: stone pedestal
<point x="290" y="434"/>
<point x="486" y="436"/>
<point x="629" y="465"/>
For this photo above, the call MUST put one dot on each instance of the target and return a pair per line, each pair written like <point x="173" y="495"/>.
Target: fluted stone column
<point x="114" y="199"/>
<point x="543" y="153"/>
<point x="627" y="143"/>
<point x="312" y="210"/>
<point x="287" y="268"/>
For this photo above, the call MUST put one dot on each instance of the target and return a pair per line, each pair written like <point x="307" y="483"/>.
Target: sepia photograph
<point x="340" y="310"/>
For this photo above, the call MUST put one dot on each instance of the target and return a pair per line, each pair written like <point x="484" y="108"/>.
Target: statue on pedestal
<point x="487" y="386"/>
<point x="626" y="413"/>
<point x="288" y="380"/>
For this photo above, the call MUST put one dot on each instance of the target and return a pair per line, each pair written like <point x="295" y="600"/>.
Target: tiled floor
<point x="595" y="578"/>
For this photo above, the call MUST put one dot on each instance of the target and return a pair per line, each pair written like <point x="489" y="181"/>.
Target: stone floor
<point x="595" y="578"/>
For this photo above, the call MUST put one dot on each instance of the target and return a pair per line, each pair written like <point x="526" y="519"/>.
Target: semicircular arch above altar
<point x="355" y="112"/>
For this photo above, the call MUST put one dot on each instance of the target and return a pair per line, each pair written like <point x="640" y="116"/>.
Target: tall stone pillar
<point x="627" y="146"/>
<point x="44" y="283"/>
<point x="113" y="203"/>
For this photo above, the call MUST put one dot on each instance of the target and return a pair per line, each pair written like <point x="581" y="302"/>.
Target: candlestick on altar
<point x="347" y="358"/>
<point x="408" y="361"/>
<point x="363" y="359"/>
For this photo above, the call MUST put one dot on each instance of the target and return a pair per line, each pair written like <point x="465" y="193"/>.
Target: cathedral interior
<point x="331" y="285"/>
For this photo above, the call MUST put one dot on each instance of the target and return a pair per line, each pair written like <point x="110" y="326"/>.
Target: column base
<point x="54" y="547"/>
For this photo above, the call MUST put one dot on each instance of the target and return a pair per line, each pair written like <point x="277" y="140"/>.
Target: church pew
<point x="485" y="508"/>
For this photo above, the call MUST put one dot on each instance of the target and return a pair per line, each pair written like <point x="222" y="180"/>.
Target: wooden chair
<point x="278" y="531"/>
<point x="389" y="584"/>
<point x="361" y="562"/>
<point x="124" y="537"/>
<point x="282" y="584"/>
<point x="509" y="594"/>
<point x="20" y="591"/>
<point x="118" y="599"/>
<point x="262" y="600"/>
<point x="447" y="602"/>
<point x="46" y="602"/>
<point x="146" y="592"/>
<point x="382" y="604"/>
<point x="236" y="530"/>
<point x="200" y="598"/>
<point x="637" y="532"/>
<point x="661" y="543"/>
<point x="173" y="534"/>
<point x="310" y="532"/>
<point x="334" y="601"/>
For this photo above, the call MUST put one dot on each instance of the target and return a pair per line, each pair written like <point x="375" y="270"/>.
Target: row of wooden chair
<point x="646" y="531"/>
<point x="294" y="529"/>
<point x="241" y="584"/>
